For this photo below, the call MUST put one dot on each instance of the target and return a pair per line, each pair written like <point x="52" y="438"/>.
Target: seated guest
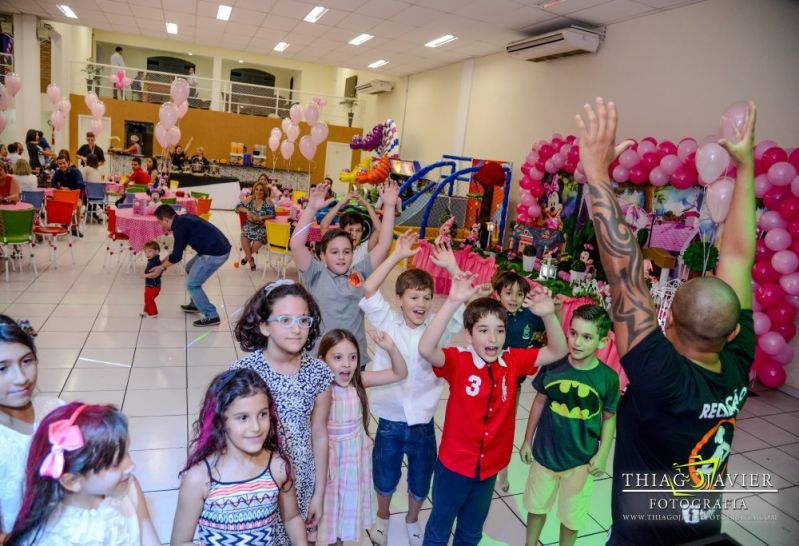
<point x="139" y="176"/>
<point x="15" y="150"/>
<point x="253" y="233"/>
<point x="9" y="189"/>
<point x="152" y="169"/>
<point x="68" y="177"/>
<point x="23" y="175"/>
<point x="90" y="172"/>
<point x="178" y="157"/>
<point x="90" y="148"/>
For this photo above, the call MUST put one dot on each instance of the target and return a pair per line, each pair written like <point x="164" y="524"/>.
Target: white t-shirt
<point x="14" y="452"/>
<point x="26" y="181"/>
<point x="117" y="60"/>
<point x="90" y="174"/>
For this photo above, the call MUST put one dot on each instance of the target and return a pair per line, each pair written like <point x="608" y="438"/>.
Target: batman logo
<point x="573" y="400"/>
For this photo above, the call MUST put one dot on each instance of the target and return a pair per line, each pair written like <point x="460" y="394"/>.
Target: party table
<point x="189" y="204"/>
<point x="140" y="228"/>
<point x="17" y="206"/>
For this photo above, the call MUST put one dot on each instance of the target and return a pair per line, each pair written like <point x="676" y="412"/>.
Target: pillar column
<point x="216" y="85"/>
<point x="28" y="102"/>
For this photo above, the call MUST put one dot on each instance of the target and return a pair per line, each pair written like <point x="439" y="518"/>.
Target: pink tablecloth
<point x="17" y="206"/>
<point x="189" y="204"/>
<point x="140" y="228"/>
<point x="467" y="261"/>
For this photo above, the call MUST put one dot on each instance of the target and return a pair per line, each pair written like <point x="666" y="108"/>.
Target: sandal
<point x="244" y="261"/>
<point x="252" y="264"/>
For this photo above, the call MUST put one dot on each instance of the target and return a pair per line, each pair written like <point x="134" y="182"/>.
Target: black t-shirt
<point x="568" y="431"/>
<point x="675" y="428"/>
<point x="84" y="151"/>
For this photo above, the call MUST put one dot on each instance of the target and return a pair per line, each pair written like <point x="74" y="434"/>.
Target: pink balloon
<point x="53" y="94"/>
<point x="13" y="83"/>
<point x="795" y="186"/>
<point x="179" y="90"/>
<point x="97" y="126"/>
<point x="711" y="162"/>
<point x="781" y="174"/>
<point x="650" y="160"/>
<point x="629" y="159"/>
<point x="535" y="174"/>
<point x="286" y="149"/>
<point x="531" y="158"/>
<point x="522" y="219"/>
<point x="534" y="211"/>
<point x="168" y="114"/>
<point x="686" y="147"/>
<point x="646" y="146"/>
<point x="98" y="109"/>
<point x="311" y="114"/>
<point x="274" y="143"/>
<point x="119" y="85"/>
<point x="162" y="135"/>
<point x="666" y="147"/>
<point x="790" y="283"/>
<point x="683" y="178"/>
<point x="319" y="133"/>
<point x="670" y="163"/>
<point x="57" y="118"/>
<point x="527" y="200"/>
<point x="293" y="133"/>
<point x="558" y="160"/>
<point x="275" y="132"/>
<point x="778" y="239"/>
<point x="285" y="124"/>
<point x="785" y="356"/>
<point x="785" y="262"/>
<point x="65" y="106"/>
<point x="719" y="197"/>
<point x="762" y="323"/>
<point x="762" y="147"/>
<point x="733" y="119"/>
<point x="307" y="147"/>
<point x="762" y="185"/>
<point x="550" y="167"/>
<point x="771" y="219"/>
<point x="658" y="176"/>
<point x="120" y="74"/>
<point x="526" y="182"/>
<point x="521" y="209"/>
<point x="793" y="300"/>
<point x="174" y="135"/>
<point x="183" y="109"/>
<point x="771" y="374"/>
<point x="771" y="343"/>
<point x="90" y="99"/>
<point x="781" y="314"/>
<point x="639" y="174"/>
<point x="295" y="113"/>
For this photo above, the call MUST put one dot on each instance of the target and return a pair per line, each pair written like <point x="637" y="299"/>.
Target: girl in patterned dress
<point x="237" y="476"/>
<point x="349" y="495"/>
<point x="278" y="325"/>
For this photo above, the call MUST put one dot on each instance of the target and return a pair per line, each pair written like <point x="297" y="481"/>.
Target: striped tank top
<point x="242" y="512"/>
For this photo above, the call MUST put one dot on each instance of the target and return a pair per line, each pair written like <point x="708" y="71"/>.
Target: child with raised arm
<point x="688" y="382"/>
<point x="405" y="409"/>
<point x="354" y="223"/>
<point x="335" y="282"/>
<point x="478" y="430"/>
<point x="573" y="418"/>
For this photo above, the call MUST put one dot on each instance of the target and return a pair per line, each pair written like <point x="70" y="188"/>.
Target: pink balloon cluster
<point x="776" y="271"/>
<point x="119" y="80"/>
<point x="62" y="106"/>
<point x="291" y="128"/>
<point x="8" y="91"/>
<point x="97" y="109"/>
<point x="167" y="133"/>
<point x="545" y="157"/>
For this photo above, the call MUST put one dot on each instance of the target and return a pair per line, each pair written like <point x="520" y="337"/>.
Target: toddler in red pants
<point x="152" y="279"/>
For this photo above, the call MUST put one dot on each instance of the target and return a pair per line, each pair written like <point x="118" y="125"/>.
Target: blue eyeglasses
<point x="286" y="321"/>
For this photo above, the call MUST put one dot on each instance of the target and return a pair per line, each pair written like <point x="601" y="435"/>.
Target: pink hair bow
<point x="63" y="435"/>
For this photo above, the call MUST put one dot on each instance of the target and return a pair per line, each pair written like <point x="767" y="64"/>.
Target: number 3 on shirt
<point x="474" y="385"/>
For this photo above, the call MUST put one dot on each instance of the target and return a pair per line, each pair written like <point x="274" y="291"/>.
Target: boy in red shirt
<point x="478" y="431"/>
<point x="138" y="176"/>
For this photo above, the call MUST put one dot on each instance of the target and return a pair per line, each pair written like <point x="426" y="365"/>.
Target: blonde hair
<point x="21" y="167"/>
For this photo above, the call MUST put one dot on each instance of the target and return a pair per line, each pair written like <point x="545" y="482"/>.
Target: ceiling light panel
<point x="361" y="39"/>
<point x="447" y="38"/>
<point x="223" y="13"/>
<point x="281" y="46"/>
<point x="172" y="28"/>
<point x="378" y="64"/>
<point x="315" y="14"/>
<point x="67" y="11"/>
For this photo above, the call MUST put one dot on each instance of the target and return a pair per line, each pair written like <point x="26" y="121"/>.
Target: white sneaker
<point x="378" y="534"/>
<point x="415" y="533"/>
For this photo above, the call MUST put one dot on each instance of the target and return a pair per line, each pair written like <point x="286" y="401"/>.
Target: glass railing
<point x="205" y="93"/>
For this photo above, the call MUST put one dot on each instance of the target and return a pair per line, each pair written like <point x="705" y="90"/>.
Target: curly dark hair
<point x="259" y="308"/>
<point x="209" y="440"/>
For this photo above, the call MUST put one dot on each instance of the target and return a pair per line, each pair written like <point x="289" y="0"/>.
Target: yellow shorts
<point x="575" y="485"/>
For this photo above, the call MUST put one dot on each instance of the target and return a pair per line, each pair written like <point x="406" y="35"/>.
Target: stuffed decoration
<point x="445" y="234"/>
<point x="377" y="174"/>
<point x="473" y="239"/>
<point x="586" y="256"/>
<point x="552" y="212"/>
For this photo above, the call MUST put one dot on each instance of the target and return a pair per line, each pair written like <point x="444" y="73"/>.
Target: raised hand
<point x="317" y="198"/>
<point x="442" y="256"/>
<point x="741" y="151"/>
<point x="404" y="244"/>
<point x="485" y="290"/>
<point x="383" y="340"/>
<point x="389" y="193"/>
<point x="462" y="289"/>
<point x="539" y="301"/>
<point x="598" y="146"/>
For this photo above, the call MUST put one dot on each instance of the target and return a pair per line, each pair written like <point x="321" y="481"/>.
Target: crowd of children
<point x="281" y="450"/>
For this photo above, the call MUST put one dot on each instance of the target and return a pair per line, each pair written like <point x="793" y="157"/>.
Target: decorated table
<point x="140" y="228"/>
<point x="224" y="190"/>
<point x="189" y="204"/>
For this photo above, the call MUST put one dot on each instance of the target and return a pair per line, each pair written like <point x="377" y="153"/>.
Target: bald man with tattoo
<point x="687" y="383"/>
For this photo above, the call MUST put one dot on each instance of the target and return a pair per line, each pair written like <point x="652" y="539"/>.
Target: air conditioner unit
<point x="374" y="87"/>
<point x="564" y="42"/>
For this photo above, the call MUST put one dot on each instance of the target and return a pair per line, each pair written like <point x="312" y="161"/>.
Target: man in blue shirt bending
<point x="212" y="249"/>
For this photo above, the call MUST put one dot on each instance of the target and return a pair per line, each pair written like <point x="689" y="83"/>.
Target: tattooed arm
<point x="633" y="311"/>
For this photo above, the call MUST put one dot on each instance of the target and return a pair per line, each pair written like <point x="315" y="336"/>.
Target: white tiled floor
<point x="94" y="347"/>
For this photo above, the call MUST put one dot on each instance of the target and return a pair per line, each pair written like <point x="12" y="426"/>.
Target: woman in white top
<point x="20" y="413"/>
<point x="21" y="172"/>
<point x="90" y="172"/>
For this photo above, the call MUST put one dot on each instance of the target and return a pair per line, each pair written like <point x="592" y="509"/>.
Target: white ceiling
<point x="401" y="27"/>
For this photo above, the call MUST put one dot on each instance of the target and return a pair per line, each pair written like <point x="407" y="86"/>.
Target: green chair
<point x="169" y="201"/>
<point x="200" y="195"/>
<point x="16" y="230"/>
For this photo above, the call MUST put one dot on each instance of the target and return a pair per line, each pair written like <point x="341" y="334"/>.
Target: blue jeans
<point x="394" y="440"/>
<point x="198" y="270"/>
<point x="456" y="496"/>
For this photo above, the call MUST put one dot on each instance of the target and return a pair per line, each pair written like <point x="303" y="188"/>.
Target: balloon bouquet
<point x="167" y="133"/>
<point x="62" y="106"/>
<point x="290" y="127"/>
<point x="383" y="139"/>
<point x="7" y="93"/>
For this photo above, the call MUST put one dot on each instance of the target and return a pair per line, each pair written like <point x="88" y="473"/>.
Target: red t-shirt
<point x="139" y="176"/>
<point x="481" y="410"/>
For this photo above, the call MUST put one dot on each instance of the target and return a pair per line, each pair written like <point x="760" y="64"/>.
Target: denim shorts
<point x="394" y="440"/>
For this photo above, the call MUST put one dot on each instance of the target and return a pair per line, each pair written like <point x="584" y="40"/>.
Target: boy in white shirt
<point x="405" y="409"/>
